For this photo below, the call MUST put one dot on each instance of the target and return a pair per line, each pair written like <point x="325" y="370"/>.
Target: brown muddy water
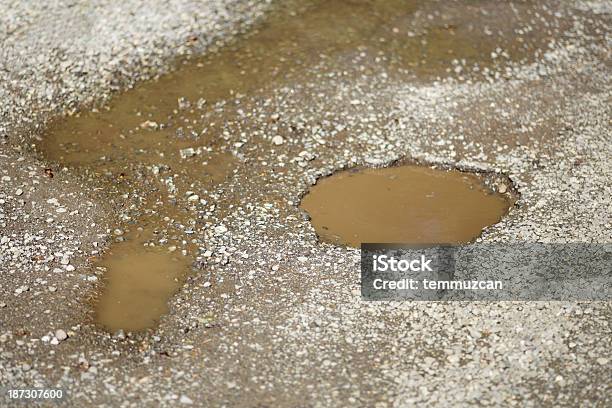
<point x="139" y="281"/>
<point x="406" y="204"/>
<point x="160" y="147"/>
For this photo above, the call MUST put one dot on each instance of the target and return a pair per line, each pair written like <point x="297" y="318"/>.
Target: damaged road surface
<point x="164" y="145"/>
<point x="182" y="189"/>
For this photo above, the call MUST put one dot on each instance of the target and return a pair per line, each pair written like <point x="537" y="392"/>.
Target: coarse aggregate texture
<point x="273" y="317"/>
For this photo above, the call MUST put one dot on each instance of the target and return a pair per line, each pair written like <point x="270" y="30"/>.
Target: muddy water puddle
<point x="161" y="148"/>
<point x="139" y="281"/>
<point x="406" y="204"/>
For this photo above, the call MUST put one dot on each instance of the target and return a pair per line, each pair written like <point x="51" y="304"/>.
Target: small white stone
<point x="183" y="103"/>
<point x="149" y="124"/>
<point x="60" y="335"/>
<point x="278" y="140"/>
<point x="19" y="192"/>
<point x="70" y="268"/>
<point x="188" y="152"/>
<point x="185" y="400"/>
<point x="453" y="359"/>
<point x="220" y="229"/>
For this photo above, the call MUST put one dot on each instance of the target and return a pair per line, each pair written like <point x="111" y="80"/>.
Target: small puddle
<point x="160" y="149"/>
<point x="139" y="280"/>
<point x="407" y="204"/>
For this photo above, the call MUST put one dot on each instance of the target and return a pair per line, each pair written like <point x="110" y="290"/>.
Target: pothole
<point x="405" y="204"/>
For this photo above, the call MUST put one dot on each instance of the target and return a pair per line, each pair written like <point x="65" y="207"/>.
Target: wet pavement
<point x="164" y="143"/>
<point x="213" y="169"/>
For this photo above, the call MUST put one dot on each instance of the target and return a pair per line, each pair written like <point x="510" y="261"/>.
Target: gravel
<point x="273" y="317"/>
